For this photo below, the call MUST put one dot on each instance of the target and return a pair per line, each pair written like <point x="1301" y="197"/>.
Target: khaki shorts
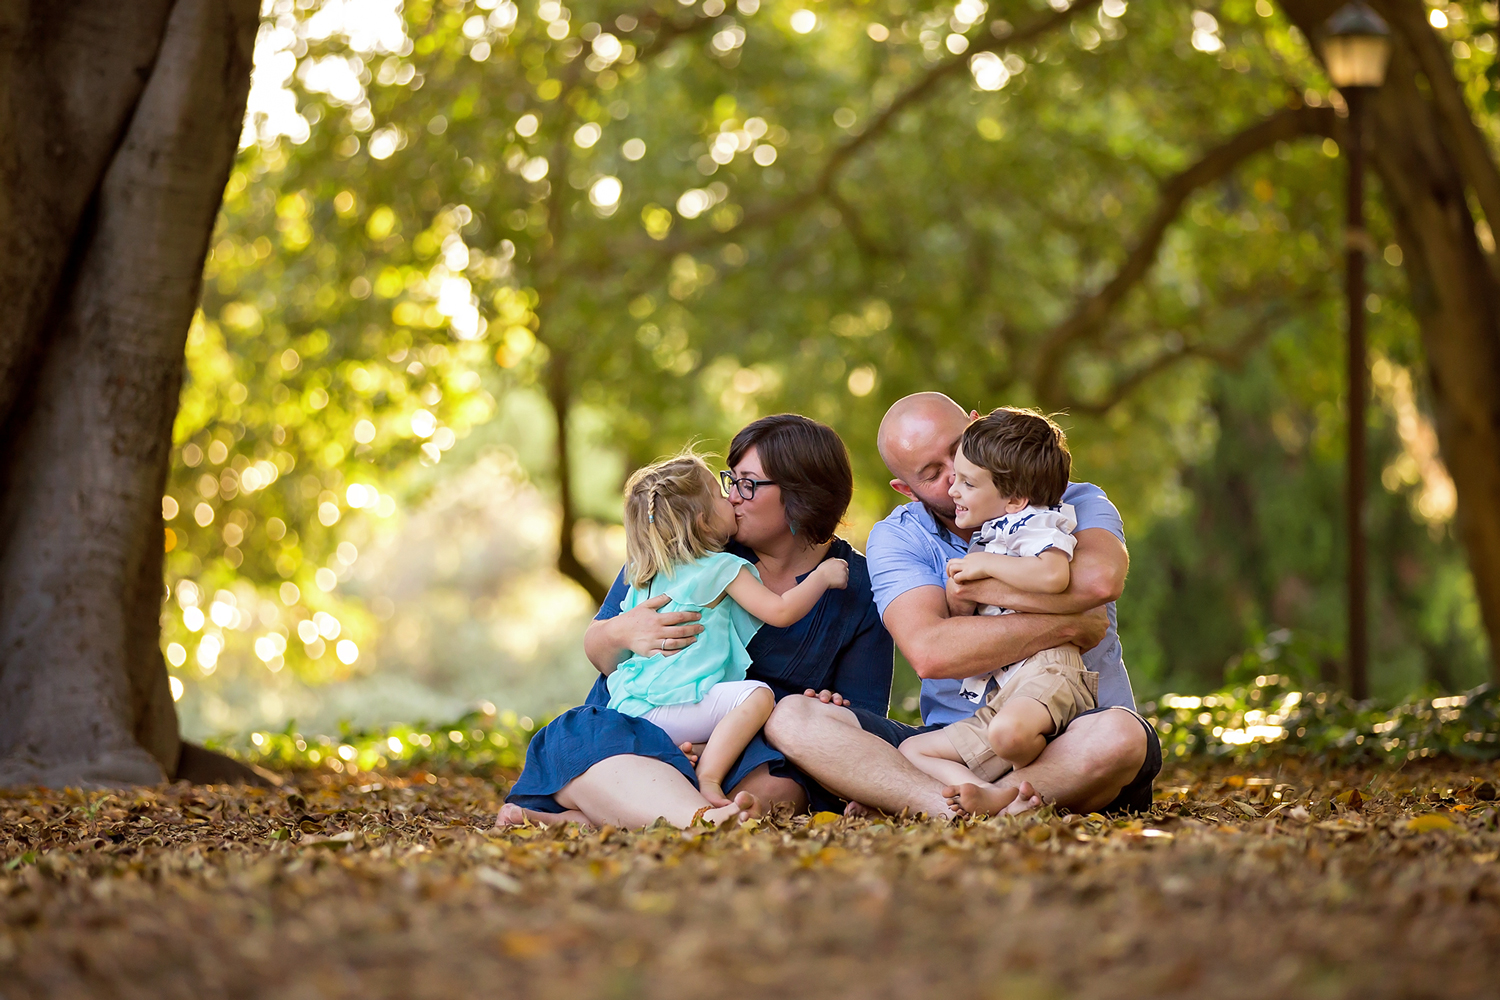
<point x="1055" y="677"/>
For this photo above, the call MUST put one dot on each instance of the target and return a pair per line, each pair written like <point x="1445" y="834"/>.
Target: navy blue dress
<point x="841" y="645"/>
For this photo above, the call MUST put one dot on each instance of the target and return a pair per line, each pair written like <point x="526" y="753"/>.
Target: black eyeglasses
<point x="746" y="487"/>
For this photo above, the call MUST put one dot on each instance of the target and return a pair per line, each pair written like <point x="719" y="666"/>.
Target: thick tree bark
<point x="1429" y="156"/>
<point x="95" y="355"/>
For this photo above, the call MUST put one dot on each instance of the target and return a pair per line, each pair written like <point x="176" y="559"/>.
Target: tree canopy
<point x="650" y="223"/>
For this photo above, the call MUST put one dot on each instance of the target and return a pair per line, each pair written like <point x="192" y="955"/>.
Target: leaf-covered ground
<point x="1284" y="881"/>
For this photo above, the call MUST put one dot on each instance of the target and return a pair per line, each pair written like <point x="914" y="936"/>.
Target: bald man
<point x="1104" y="760"/>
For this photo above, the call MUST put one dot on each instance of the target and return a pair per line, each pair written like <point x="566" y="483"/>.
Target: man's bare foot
<point x="979" y="800"/>
<point x="1027" y="799"/>
<point x="713" y="792"/>
<point x="745" y="806"/>
<point x="854" y="809"/>
<point x="513" y="815"/>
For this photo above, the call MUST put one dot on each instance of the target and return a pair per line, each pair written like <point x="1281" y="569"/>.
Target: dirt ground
<point x="1282" y="881"/>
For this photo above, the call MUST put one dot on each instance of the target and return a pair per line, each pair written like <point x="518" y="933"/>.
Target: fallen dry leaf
<point x="402" y="889"/>
<point x="1429" y="823"/>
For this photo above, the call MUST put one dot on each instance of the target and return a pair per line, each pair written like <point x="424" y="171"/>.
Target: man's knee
<point x="796" y="716"/>
<point x="1119" y="743"/>
<point x="791" y="716"/>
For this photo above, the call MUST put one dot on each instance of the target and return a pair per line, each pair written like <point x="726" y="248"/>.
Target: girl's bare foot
<point x="513" y="815"/>
<point x="854" y="809"/>
<point x="713" y="792"/>
<point x="977" y="800"/>
<point x="745" y="806"/>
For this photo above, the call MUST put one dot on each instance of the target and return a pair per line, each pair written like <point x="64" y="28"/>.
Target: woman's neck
<point x="785" y="559"/>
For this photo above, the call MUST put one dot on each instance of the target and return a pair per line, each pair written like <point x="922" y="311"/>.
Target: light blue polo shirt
<point x="910" y="549"/>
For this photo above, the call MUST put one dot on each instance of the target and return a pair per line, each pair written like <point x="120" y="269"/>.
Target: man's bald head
<point x="911" y="425"/>
<point x="917" y="439"/>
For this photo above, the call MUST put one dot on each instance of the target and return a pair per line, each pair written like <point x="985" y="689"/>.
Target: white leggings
<point x="694" y="722"/>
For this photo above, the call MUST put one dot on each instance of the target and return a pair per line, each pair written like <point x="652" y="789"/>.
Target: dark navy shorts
<point x="1134" y="797"/>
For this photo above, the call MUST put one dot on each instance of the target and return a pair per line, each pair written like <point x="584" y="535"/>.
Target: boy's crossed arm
<point x="1096" y="577"/>
<point x="1046" y="573"/>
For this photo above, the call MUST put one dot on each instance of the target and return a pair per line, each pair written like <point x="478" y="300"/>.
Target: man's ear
<point x="903" y="489"/>
<point x="973" y="414"/>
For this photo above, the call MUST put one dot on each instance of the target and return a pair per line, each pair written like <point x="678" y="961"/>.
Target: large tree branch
<point x="1468" y="144"/>
<point x="1089" y="315"/>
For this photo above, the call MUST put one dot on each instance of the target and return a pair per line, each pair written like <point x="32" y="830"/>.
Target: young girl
<point x="676" y="523"/>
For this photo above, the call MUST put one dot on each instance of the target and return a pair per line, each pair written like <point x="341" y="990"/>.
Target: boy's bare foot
<point x="513" y="815"/>
<point x="745" y="806"/>
<point x="1027" y="799"/>
<point x="854" y="809"/>
<point x="713" y="792"/>
<point x="979" y="800"/>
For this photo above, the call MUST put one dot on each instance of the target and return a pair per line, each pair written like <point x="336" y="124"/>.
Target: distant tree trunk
<point x="1431" y="157"/>
<point x="118" y="127"/>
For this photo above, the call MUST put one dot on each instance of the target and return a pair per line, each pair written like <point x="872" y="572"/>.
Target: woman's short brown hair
<point x="809" y="462"/>
<point x="1025" y="453"/>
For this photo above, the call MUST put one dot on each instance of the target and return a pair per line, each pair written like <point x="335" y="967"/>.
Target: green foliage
<point x="665" y="220"/>
<point x="479" y="741"/>
<point x="1262" y="715"/>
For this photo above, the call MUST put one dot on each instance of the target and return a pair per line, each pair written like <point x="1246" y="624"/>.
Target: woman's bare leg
<point x="632" y="792"/>
<point x="771" y="790"/>
<point x="513" y="815"/>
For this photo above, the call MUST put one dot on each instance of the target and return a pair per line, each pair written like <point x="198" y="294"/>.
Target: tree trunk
<point x="113" y="181"/>
<point x="1428" y="163"/>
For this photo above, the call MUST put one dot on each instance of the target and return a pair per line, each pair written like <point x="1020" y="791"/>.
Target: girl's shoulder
<point x="702" y="581"/>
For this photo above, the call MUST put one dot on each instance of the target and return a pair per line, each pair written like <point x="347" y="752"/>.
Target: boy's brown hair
<point x="1025" y="453"/>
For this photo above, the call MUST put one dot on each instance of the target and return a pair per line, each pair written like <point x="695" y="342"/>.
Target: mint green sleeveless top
<point x="642" y="683"/>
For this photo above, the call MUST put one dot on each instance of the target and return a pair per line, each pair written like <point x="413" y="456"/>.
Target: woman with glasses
<point x="790" y="483"/>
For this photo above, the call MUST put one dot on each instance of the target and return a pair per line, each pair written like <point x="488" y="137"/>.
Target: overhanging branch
<point x="1089" y="315"/>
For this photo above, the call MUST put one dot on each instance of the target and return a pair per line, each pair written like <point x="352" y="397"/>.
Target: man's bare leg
<point x="827" y="742"/>
<point x="632" y="792"/>
<point x="1082" y="770"/>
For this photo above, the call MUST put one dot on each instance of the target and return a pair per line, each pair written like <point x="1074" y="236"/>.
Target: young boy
<point x="1011" y="469"/>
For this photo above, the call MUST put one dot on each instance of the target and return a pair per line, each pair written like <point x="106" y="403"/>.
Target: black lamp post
<point x="1356" y="48"/>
